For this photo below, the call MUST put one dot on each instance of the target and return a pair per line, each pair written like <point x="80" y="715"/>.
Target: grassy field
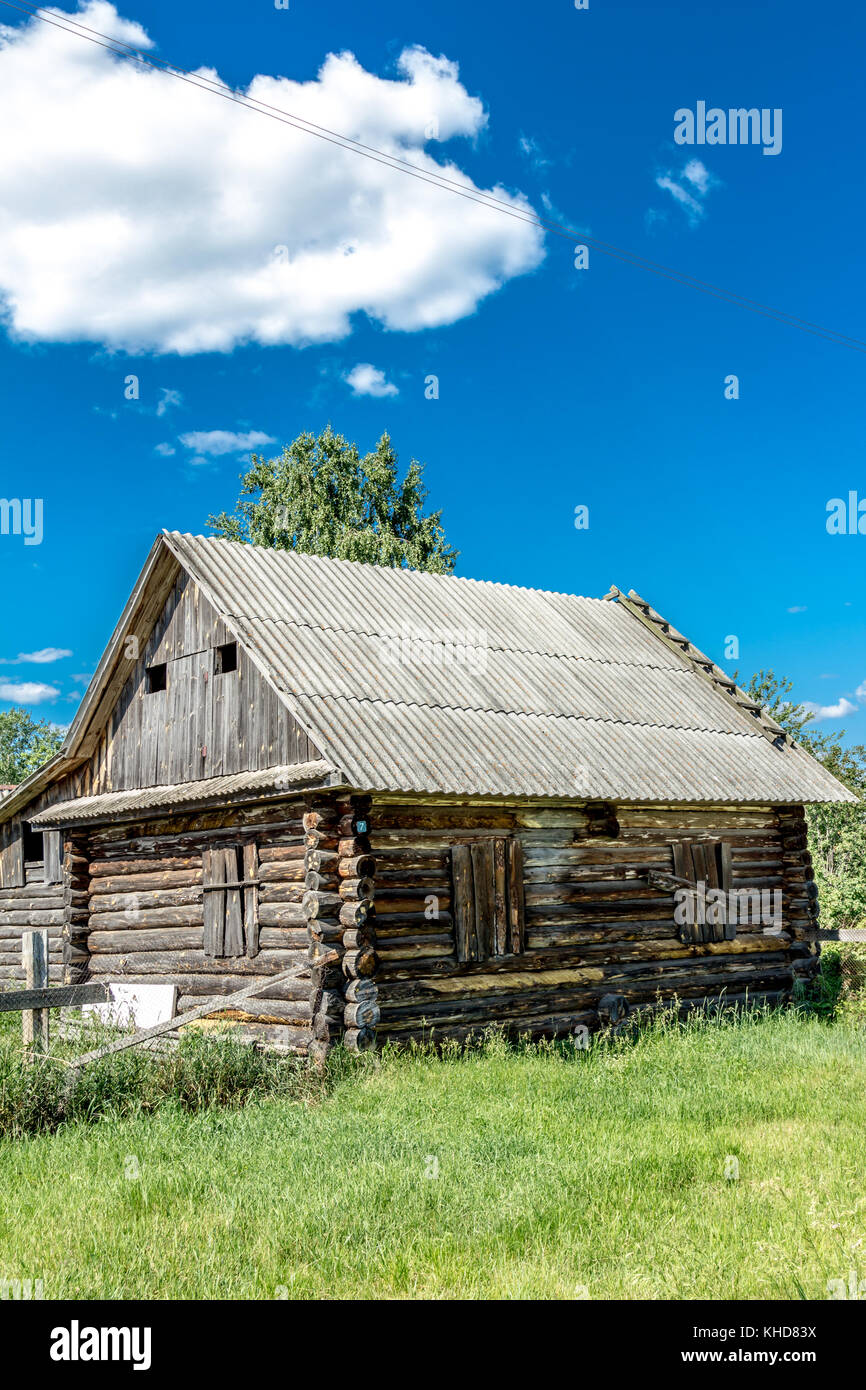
<point x="496" y="1173"/>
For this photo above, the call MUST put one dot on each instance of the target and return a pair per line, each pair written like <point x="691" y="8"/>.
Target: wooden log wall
<point x="35" y="904"/>
<point x="321" y="903"/>
<point x="802" y="908"/>
<point x="146" y="914"/>
<point x="76" y="907"/>
<point x="593" y="925"/>
<point x="360" y="890"/>
<point x="356" y="869"/>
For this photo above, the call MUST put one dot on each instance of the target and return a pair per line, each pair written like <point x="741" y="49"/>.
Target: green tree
<point x="837" y="833"/>
<point x="25" y="743"/>
<point x="321" y="497"/>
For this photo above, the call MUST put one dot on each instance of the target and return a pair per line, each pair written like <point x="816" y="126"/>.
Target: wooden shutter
<point x="251" y="899"/>
<point x="483" y="892"/>
<point x="487" y="898"/>
<point x="53" y="864"/>
<point x="707" y="862"/>
<point x="516" y="909"/>
<point x="12" y="855"/>
<point x="213" y="873"/>
<point x="231" y="918"/>
<point x="726" y="868"/>
<point x="234" y="935"/>
<point x="463" y="906"/>
<point x="683" y="865"/>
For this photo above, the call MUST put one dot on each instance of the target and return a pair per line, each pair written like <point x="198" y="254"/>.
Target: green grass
<point x="494" y="1173"/>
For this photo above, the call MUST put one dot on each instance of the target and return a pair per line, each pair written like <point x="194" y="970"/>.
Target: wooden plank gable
<point x="203" y="723"/>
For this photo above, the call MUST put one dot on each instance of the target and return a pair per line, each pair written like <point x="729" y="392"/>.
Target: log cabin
<point x="449" y="803"/>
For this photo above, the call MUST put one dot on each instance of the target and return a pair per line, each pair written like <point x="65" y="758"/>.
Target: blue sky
<point x="559" y="387"/>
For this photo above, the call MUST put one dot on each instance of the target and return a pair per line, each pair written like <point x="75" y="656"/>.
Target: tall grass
<point x="201" y="1072"/>
<point x="709" y="1158"/>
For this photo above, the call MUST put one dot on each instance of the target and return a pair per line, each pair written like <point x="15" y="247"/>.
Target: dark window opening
<point x="226" y="658"/>
<point x="156" y="678"/>
<point x="601" y="821"/>
<point x="34" y="846"/>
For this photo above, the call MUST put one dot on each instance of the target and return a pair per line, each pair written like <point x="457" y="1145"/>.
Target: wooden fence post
<point x="34" y="951"/>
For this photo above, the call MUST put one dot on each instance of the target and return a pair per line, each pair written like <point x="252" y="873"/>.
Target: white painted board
<point x="136" y="1006"/>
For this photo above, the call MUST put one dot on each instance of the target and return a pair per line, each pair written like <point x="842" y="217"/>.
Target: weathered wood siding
<point x="592" y="925"/>
<point x="34" y="904"/>
<point x="146" y="915"/>
<point x="203" y="724"/>
<point x="361" y="892"/>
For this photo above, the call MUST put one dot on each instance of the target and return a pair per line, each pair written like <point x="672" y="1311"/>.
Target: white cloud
<point x="683" y="197"/>
<point x="143" y="214"/>
<point x="215" y="443"/>
<point x="562" y="218"/>
<point x="367" y="380"/>
<point x="698" y="176"/>
<point x="531" y="150"/>
<point x="166" y="450"/>
<point x="43" y="657"/>
<point x="27" y="692"/>
<point x="837" y="711"/>
<point x="167" y="399"/>
<point x="691" y="199"/>
<point x="798" y="608"/>
<point x="860" y="692"/>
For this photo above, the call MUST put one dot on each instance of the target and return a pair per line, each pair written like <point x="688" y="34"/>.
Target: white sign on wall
<point x="137" y="1006"/>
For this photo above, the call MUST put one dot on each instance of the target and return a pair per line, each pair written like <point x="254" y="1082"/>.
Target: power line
<point x="122" y="49"/>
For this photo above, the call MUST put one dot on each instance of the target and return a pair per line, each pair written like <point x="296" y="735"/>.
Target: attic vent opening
<point x="226" y="658"/>
<point x="156" y="678"/>
<point x="601" y="821"/>
<point x="34" y="846"/>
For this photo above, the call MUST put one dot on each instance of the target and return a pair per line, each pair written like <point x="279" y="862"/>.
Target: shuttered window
<point x="703" y="861"/>
<point x="21" y="846"/>
<point x="53" y="850"/>
<point x="487" y="898"/>
<point x="231" y="901"/>
<point x="708" y="863"/>
<point x="12" y="855"/>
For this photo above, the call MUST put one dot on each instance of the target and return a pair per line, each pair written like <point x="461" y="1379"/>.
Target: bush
<point x="198" y="1073"/>
<point x="841" y="982"/>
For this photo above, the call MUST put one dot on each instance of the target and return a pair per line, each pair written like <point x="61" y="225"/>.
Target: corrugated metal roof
<point x="236" y="786"/>
<point x="551" y="695"/>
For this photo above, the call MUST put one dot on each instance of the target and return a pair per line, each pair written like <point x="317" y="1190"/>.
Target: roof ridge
<point x="386" y="569"/>
<point x="702" y="664"/>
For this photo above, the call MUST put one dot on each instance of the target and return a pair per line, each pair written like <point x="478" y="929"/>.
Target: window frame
<point x="230" y="893"/>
